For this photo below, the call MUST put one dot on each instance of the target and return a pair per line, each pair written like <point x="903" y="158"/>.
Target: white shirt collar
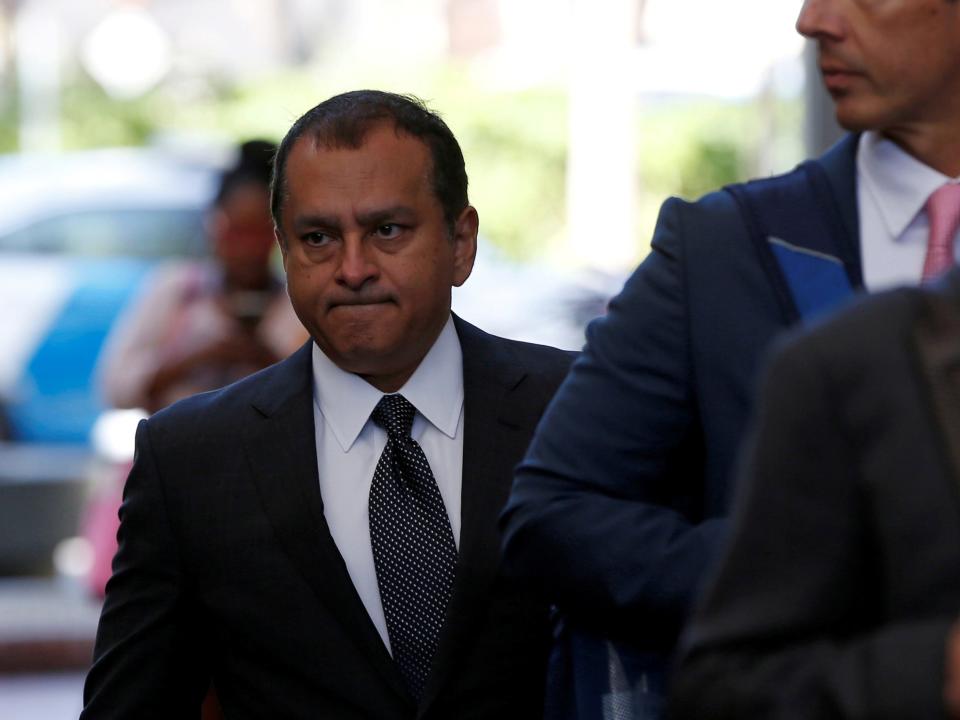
<point x="898" y="182"/>
<point x="435" y="389"/>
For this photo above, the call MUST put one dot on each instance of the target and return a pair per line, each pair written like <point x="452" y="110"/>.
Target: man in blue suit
<point x="619" y="507"/>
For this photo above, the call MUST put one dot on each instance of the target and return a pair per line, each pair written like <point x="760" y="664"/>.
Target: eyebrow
<point x="305" y="222"/>
<point x="382" y="215"/>
<point x="378" y="216"/>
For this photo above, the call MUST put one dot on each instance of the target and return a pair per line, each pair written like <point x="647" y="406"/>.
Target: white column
<point x="601" y="171"/>
<point x="38" y="53"/>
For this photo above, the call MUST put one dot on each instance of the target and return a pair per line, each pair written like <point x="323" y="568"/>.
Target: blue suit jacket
<point x="617" y="510"/>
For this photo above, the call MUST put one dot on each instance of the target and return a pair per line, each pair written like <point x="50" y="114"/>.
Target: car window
<point x="143" y="233"/>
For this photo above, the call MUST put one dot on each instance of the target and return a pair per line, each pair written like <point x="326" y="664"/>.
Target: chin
<point x="359" y="358"/>
<point x="855" y="117"/>
<point x="847" y="120"/>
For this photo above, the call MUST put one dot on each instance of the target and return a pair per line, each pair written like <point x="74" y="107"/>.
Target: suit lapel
<point x="280" y="447"/>
<point x="840" y="167"/>
<point x="495" y="437"/>
<point x="803" y="225"/>
<point x="820" y="256"/>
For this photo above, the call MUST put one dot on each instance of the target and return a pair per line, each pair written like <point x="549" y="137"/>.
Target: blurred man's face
<point x="369" y="257"/>
<point x="890" y="65"/>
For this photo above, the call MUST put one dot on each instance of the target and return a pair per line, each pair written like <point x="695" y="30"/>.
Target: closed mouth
<point x="838" y="80"/>
<point x="831" y="67"/>
<point x="834" y="71"/>
<point x="359" y="303"/>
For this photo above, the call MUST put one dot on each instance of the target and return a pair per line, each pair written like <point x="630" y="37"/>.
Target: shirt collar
<point x="435" y="389"/>
<point x="899" y="183"/>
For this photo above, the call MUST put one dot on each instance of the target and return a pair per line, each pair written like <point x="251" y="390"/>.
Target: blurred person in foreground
<point x="320" y="539"/>
<point x="839" y="594"/>
<point x="202" y="325"/>
<point x="619" y="507"/>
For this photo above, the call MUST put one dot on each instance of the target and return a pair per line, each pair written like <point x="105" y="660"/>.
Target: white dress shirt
<point x="892" y="189"/>
<point x="349" y="446"/>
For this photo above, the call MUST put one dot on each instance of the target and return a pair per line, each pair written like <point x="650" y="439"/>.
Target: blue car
<point x="78" y="235"/>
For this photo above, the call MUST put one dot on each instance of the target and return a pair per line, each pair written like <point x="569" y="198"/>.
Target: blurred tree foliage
<point x="515" y="145"/>
<point x="9" y="140"/>
<point x="691" y="147"/>
<point x="514" y="141"/>
<point x="91" y="118"/>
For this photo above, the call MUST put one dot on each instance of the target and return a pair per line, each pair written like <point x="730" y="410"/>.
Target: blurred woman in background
<point x="199" y="325"/>
<point x="202" y="325"/>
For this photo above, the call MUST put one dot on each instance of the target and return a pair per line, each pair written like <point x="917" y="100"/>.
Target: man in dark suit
<point x="618" y="508"/>
<point x="319" y="540"/>
<point x="839" y="590"/>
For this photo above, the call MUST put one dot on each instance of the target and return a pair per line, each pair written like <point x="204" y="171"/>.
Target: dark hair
<point x="253" y="165"/>
<point x="343" y="121"/>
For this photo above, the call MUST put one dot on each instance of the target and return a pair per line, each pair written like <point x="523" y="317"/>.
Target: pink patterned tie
<point x="943" y="212"/>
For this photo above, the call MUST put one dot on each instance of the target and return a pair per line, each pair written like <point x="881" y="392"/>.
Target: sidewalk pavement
<point x="46" y="696"/>
<point x="47" y="624"/>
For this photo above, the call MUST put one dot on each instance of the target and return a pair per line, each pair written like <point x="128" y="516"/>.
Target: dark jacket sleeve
<point x="793" y="626"/>
<point x="603" y="513"/>
<point x="146" y="664"/>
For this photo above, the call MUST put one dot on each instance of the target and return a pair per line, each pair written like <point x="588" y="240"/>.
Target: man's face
<point x="370" y="260"/>
<point x="890" y="65"/>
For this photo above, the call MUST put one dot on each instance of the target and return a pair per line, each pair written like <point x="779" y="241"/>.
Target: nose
<point x="820" y="19"/>
<point x="357" y="264"/>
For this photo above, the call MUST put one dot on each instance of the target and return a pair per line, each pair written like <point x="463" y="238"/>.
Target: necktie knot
<point x="943" y="214"/>
<point x="394" y="413"/>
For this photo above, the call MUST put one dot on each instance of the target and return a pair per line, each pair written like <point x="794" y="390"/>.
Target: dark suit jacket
<point x="843" y="572"/>
<point x="226" y="568"/>
<point x="617" y="509"/>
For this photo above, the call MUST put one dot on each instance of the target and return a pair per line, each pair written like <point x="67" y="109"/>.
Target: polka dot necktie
<point x="413" y="548"/>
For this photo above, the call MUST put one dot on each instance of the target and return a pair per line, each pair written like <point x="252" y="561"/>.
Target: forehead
<point x="385" y="162"/>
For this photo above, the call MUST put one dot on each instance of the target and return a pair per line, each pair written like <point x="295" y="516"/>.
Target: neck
<point x="406" y="365"/>
<point x="389" y="383"/>
<point x="936" y="147"/>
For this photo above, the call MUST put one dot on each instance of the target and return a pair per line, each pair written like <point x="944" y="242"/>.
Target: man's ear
<point x="465" y="244"/>
<point x="283" y="245"/>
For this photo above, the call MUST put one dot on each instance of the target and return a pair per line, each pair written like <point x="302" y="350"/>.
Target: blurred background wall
<point x="577" y="117"/>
